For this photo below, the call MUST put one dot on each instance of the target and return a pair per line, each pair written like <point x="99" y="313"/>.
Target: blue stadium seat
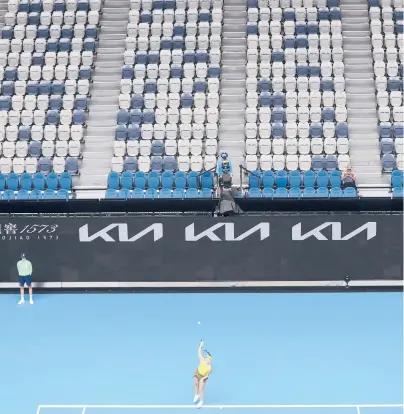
<point x="35" y="195"/>
<point x="268" y="179"/>
<point x="335" y="178"/>
<point x="124" y="193"/>
<point x="268" y="192"/>
<point x="207" y="180"/>
<point x="165" y="193"/>
<point x="52" y="181"/>
<point x="23" y="195"/>
<point x="295" y="193"/>
<point x="8" y="195"/>
<point x="398" y="192"/>
<point x="317" y="162"/>
<point x="133" y="132"/>
<point x="180" y="180"/>
<point x="157" y="147"/>
<point x="113" y="180"/>
<point x="121" y="132"/>
<point x="140" y="180"/>
<point x="397" y="178"/>
<point x="322" y="179"/>
<point x="39" y="181"/>
<point x="192" y="193"/>
<point x="281" y="192"/>
<point x="309" y="179"/>
<point x="35" y="149"/>
<point x="336" y="192"/>
<point x="281" y="179"/>
<point x="153" y="180"/>
<point x="350" y="192"/>
<point x="65" y="181"/>
<point x="178" y="193"/>
<point x="167" y="180"/>
<point x="206" y="193"/>
<point x="138" y="193"/>
<point x="254" y="193"/>
<point x="127" y="180"/>
<point x="193" y="179"/>
<point x="111" y="193"/>
<point x="295" y="180"/>
<point x="322" y="192"/>
<point x="62" y="194"/>
<point x="254" y="179"/>
<point x="12" y="181"/>
<point x="309" y="192"/>
<point x="2" y="182"/>
<point x="49" y="195"/>
<point x="156" y="164"/>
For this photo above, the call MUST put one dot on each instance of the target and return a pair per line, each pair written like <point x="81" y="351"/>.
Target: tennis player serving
<point x="201" y="375"/>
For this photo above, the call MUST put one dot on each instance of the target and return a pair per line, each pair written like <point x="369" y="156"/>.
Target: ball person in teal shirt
<point x="24" y="268"/>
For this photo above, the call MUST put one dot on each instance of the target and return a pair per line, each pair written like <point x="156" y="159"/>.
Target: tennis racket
<point x="206" y="353"/>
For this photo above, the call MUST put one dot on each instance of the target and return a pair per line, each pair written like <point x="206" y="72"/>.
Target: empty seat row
<point x="294" y="179"/>
<point x="172" y="100"/>
<point x="32" y="165"/>
<point x="156" y="163"/>
<point x="49" y="59"/>
<point x="315" y="146"/>
<point x="388" y="40"/>
<point x="164" y="193"/>
<point x="166" y="56"/>
<point x="38" y="181"/>
<point x="50" y="45"/>
<point x="169" y="147"/>
<point x="299" y="84"/>
<point x="167" y="120"/>
<point x="44" y="102"/>
<point x="165" y="71"/>
<point x="298" y="14"/>
<point x="172" y="4"/>
<point x="264" y="129"/>
<point x="180" y="180"/>
<point x="296" y="162"/>
<point x="46" y="73"/>
<point x="173" y="85"/>
<point x="166" y="180"/>
<point x="308" y="192"/>
<point x="42" y="117"/>
<point x="395" y="114"/>
<point x="155" y="43"/>
<point x="55" y="18"/>
<point x="169" y="131"/>
<point x="35" y="149"/>
<point x="34" y="195"/>
<point x="37" y="6"/>
<point x="388" y="130"/>
<point x="52" y="33"/>
<point x="290" y="28"/>
<point x="39" y="133"/>
<point x="291" y="3"/>
<point x="394" y="98"/>
<point x="170" y="30"/>
<point x="69" y="87"/>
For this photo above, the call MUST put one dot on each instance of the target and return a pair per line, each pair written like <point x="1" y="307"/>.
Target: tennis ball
<point x="199" y="323"/>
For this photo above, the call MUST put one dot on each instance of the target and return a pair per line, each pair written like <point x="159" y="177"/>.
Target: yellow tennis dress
<point x="203" y="370"/>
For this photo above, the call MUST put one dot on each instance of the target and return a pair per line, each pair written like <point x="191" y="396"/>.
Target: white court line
<point x="84" y="407"/>
<point x="358" y="410"/>
<point x="38" y="410"/>
<point x="84" y="410"/>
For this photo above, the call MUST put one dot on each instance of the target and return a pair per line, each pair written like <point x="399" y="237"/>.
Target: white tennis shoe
<point x="196" y="398"/>
<point x="21" y="302"/>
<point x="199" y="404"/>
<point x="31" y="301"/>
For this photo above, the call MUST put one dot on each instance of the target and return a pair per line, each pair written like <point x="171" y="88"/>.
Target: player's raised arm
<point x="201" y="358"/>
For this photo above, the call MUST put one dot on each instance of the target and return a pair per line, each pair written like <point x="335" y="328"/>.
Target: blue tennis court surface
<point x="268" y="349"/>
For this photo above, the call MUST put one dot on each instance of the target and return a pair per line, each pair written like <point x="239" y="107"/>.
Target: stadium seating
<point x="386" y="24"/>
<point x="46" y="52"/>
<point x="169" y="99"/>
<point x="296" y="116"/>
<point x="152" y="185"/>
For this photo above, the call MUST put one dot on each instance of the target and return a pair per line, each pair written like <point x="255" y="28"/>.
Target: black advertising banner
<point x="178" y="249"/>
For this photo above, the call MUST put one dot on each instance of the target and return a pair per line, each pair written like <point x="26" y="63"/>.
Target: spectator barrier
<point x="282" y="250"/>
